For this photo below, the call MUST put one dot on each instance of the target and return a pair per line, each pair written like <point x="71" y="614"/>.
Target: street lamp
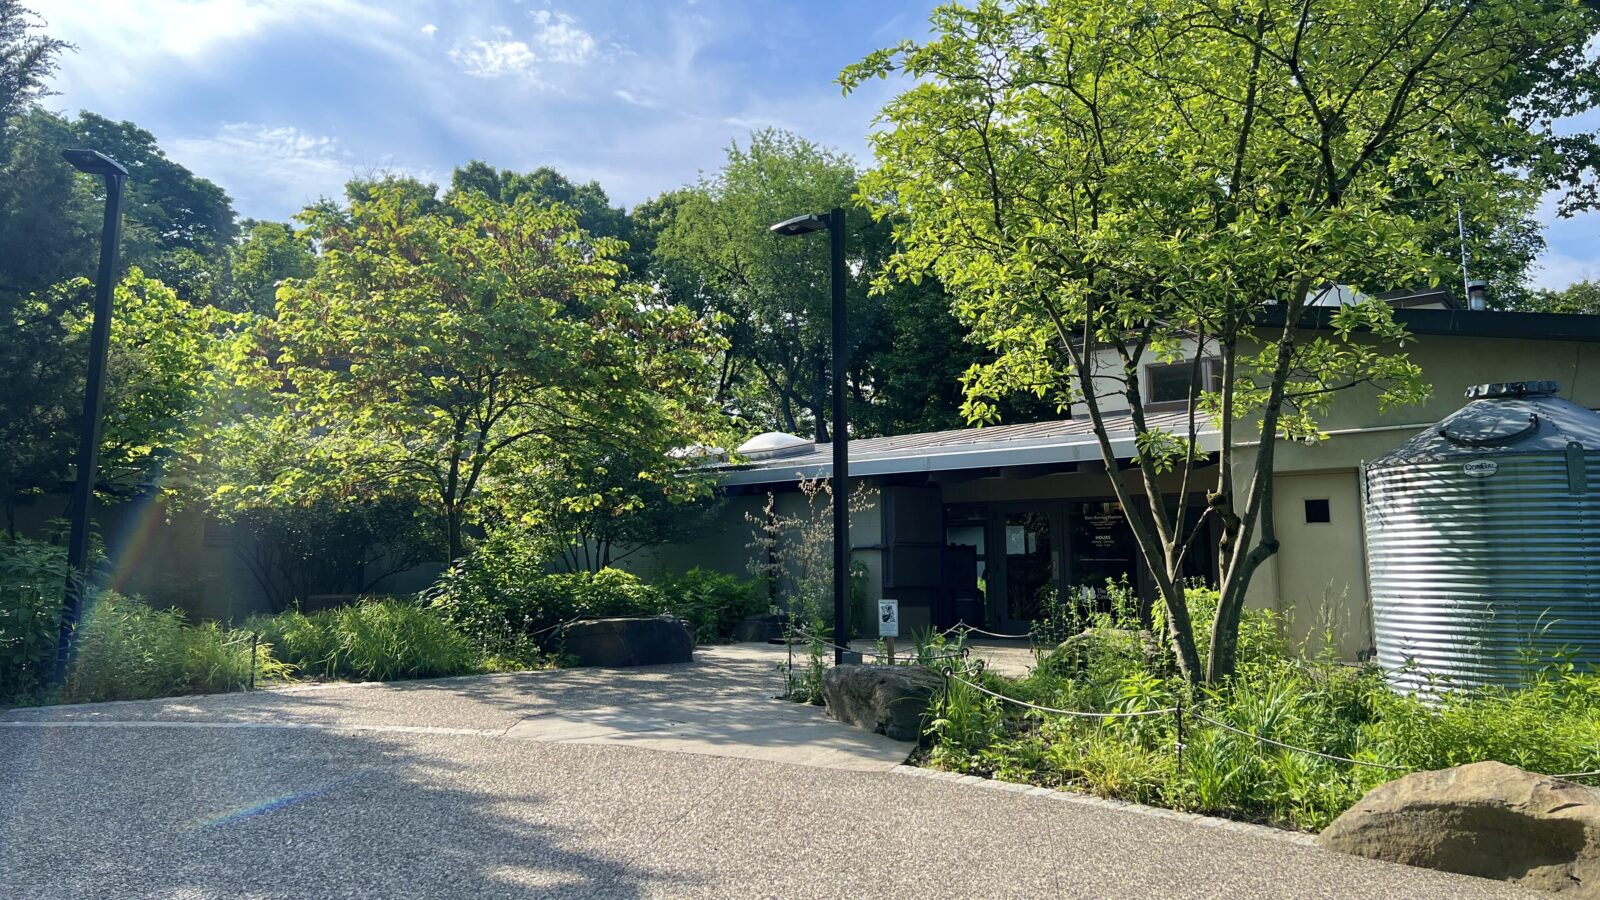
<point x="833" y="221"/>
<point x="93" y="163"/>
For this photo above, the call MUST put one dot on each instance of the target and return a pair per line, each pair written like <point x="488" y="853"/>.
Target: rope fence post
<point x="1178" y="713"/>
<point x="255" y="641"/>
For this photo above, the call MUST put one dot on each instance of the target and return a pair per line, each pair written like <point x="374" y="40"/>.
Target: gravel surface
<point x="256" y="809"/>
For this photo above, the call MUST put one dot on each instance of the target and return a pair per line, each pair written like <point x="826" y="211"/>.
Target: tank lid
<point x="1531" y="423"/>
<point x="1512" y="389"/>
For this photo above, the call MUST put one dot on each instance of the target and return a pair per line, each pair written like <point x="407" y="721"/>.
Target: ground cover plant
<point x="1552" y="725"/>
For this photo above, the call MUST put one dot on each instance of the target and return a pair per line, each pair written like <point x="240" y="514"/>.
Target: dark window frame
<point x="1210" y="375"/>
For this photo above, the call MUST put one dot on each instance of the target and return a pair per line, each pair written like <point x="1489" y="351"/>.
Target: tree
<point x="27" y="60"/>
<point x="1581" y="297"/>
<point x="159" y="376"/>
<point x="269" y="254"/>
<point x="1106" y="186"/>
<point x="595" y="213"/>
<point x="441" y="346"/>
<point x="772" y="293"/>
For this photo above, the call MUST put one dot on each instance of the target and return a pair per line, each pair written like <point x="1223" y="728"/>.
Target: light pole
<point x="833" y="221"/>
<point x="93" y="163"/>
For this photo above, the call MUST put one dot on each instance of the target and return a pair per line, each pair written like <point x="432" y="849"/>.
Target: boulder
<point x="890" y="700"/>
<point x="627" y="642"/>
<point x="1486" y="819"/>
<point x="762" y="628"/>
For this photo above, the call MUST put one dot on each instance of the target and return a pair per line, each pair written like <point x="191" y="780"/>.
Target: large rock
<point x="627" y="642"/>
<point x="1486" y="819"/>
<point x="762" y="628"/>
<point x="890" y="700"/>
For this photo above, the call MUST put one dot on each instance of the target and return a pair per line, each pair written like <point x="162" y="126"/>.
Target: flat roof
<point x="1062" y="441"/>
<point x="1491" y="323"/>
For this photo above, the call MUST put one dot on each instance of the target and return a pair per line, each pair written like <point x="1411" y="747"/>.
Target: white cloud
<point x="265" y="166"/>
<point x="495" y="58"/>
<point x="430" y="29"/>
<point x="560" y="38"/>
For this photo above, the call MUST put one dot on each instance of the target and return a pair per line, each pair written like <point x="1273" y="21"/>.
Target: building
<point x="980" y="524"/>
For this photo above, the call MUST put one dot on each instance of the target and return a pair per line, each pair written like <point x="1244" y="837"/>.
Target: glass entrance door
<point x="1030" y="543"/>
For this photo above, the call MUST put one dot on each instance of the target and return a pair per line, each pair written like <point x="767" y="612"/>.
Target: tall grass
<point x="127" y="650"/>
<point x="377" y="639"/>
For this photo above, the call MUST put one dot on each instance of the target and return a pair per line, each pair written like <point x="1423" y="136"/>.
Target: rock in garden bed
<point x="652" y="641"/>
<point x="890" y="700"/>
<point x="1486" y="819"/>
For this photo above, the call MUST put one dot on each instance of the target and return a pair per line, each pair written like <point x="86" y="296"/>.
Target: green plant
<point x="377" y="638"/>
<point x="1550" y="725"/>
<point x="33" y="576"/>
<point x="127" y="650"/>
<point x="712" y="602"/>
<point x="501" y="599"/>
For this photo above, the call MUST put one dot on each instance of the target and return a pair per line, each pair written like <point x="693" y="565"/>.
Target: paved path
<point x="428" y="790"/>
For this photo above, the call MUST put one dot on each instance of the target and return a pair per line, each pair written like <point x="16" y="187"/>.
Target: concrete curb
<point x="1250" y="828"/>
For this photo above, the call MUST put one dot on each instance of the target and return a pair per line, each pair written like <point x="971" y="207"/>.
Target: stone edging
<point x="1261" y="831"/>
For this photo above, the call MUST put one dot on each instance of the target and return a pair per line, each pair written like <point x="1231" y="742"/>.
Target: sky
<point x="282" y="101"/>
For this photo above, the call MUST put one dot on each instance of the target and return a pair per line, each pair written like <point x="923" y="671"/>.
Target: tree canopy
<point x="437" y="340"/>
<point x="1105" y="186"/>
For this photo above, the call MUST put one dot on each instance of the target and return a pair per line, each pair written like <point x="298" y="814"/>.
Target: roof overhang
<point x="976" y="453"/>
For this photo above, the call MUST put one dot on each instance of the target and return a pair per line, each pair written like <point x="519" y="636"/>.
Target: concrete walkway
<point x="552" y="785"/>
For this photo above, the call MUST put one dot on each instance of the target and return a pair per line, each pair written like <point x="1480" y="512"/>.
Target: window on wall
<point x="1167" y="385"/>
<point x="1317" y="511"/>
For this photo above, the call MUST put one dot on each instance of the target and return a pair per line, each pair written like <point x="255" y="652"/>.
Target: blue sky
<point x="282" y="101"/>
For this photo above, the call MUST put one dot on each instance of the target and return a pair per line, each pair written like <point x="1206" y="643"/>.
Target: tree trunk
<point x="452" y="520"/>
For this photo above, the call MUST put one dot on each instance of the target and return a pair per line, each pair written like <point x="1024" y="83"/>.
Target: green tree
<point x="442" y="347"/>
<point x="160" y="374"/>
<point x="268" y="254"/>
<point x="1582" y="297"/>
<point x="27" y="59"/>
<point x="1107" y="186"/>
<point x="772" y="294"/>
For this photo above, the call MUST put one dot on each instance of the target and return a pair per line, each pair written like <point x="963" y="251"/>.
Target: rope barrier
<point x="1318" y="753"/>
<point x="910" y="656"/>
<point x="964" y="628"/>
<point x="1061" y="712"/>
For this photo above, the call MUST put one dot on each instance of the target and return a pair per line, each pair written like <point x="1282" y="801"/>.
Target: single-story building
<point x="977" y="524"/>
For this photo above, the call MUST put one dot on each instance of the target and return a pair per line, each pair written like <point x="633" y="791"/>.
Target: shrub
<point x="712" y="602"/>
<point x="128" y="651"/>
<point x="376" y="639"/>
<point x="499" y="597"/>
<point x="33" y="576"/>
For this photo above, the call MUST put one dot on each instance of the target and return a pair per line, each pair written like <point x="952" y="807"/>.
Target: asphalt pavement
<point x="427" y="790"/>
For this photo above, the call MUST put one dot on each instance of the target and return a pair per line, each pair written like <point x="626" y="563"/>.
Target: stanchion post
<point x="1179" y="714"/>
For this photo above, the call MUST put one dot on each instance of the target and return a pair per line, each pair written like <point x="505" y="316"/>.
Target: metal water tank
<point x="1483" y="541"/>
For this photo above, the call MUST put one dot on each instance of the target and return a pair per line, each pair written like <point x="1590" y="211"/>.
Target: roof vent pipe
<point x="1477" y="295"/>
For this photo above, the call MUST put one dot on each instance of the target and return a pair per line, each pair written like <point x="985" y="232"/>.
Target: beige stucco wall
<point x="1318" y="578"/>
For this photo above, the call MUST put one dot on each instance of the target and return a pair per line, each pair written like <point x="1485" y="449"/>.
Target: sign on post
<point x="888" y="618"/>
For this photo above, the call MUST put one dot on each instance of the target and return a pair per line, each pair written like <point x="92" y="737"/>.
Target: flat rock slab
<point x="620" y="642"/>
<point x="771" y="730"/>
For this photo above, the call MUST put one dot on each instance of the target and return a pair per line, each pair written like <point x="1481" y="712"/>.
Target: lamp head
<point x="94" y="163"/>
<point x="801" y="225"/>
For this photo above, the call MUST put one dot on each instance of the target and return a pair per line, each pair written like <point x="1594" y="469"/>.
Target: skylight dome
<point x="775" y="445"/>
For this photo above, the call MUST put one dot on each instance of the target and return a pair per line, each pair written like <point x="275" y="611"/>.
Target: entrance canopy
<point x="1042" y="443"/>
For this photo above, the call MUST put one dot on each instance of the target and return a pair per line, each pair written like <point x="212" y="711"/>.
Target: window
<point x="1168" y="385"/>
<point x="1317" y="512"/>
